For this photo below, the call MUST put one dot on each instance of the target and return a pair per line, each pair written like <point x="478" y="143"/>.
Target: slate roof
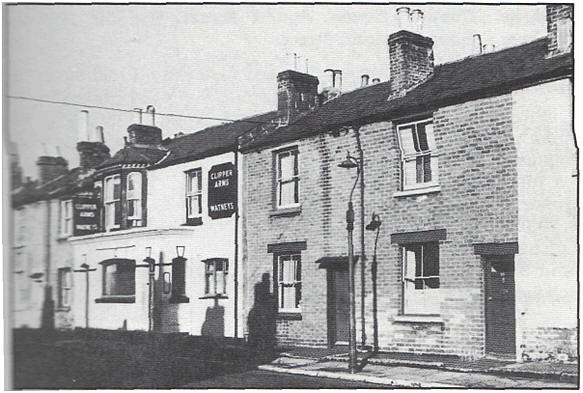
<point x="211" y="141"/>
<point x="134" y="155"/>
<point x="75" y="180"/>
<point x="470" y="78"/>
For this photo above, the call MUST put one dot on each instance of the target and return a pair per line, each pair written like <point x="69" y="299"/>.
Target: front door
<point x="500" y="305"/>
<point x="338" y="306"/>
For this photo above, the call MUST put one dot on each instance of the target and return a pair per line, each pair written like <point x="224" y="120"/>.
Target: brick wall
<point x="549" y="343"/>
<point x="556" y="12"/>
<point x="477" y="203"/>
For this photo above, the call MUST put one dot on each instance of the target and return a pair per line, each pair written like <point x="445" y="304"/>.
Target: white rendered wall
<point x="546" y="265"/>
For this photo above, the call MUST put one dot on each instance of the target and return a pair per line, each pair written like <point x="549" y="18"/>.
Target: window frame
<point x="135" y="220"/>
<point x="294" y="179"/>
<point x="431" y="152"/>
<point x="111" y="202"/>
<point x="280" y="282"/>
<point x="64" y="287"/>
<point x="427" y="300"/>
<point x="213" y="273"/>
<point x="66" y="218"/>
<point x="189" y="194"/>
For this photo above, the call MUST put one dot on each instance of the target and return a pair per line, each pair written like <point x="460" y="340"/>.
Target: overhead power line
<point x="110" y="108"/>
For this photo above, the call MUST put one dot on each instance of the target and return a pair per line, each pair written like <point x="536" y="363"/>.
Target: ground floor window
<point x="216" y="270"/>
<point x="119" y="277"/>
<point x="289" y="282"/>
<point x="64" y="287"/>
<point x="421" y="278"/>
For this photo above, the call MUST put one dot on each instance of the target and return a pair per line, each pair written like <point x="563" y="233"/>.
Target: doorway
<point x="338" y="307"/>
<point x="500" y="305"/>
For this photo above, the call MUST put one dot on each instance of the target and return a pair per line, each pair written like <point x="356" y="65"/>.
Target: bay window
<point x="112" y="202"/>
<point x="419" y="167"/>
<point x="134" y="199"/>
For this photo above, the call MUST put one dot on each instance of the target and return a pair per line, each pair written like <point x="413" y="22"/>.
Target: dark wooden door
<point x="500" y="305"/>
<point x="341" y="305"/>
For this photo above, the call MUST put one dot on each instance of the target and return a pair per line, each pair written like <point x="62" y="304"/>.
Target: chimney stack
<point x="144" y="135"/>
<point x="50" y="168"/>
<point x="93" y="151"/>
<point x="296" y="93"/>
<point x="559" y="29"/>
<point x="411" y="59"/>
<point x="364" y="80"/>
<point x="477" y="45"/>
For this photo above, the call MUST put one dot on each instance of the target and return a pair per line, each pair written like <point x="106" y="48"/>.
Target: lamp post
<point x="350" y="163"/>
<point x="374" y="225"/>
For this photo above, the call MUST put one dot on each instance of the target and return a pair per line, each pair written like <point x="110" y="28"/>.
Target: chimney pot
<point x="339" y="84"/>
<point x="364" y="80"/>
<point x="83" y="125"/>
<point x="403" y="18"/>
<point x="417" y="20"/>
<point x="477" y="45"/>
<point x="99" y="137"/>
<point x="375" y="81"/>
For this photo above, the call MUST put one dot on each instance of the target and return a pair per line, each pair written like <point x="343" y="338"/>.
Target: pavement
<point x="420" y="371"/>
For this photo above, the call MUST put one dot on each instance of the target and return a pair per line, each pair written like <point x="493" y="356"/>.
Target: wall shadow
<point x="261" y="323"/>
<point x="214" y="321"/>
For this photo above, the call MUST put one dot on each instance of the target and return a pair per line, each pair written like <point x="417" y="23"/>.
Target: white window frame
<point x="294" y="178"/>
<point x="283" y="282"/>
<point x="413" y="155"/>
<point x="194" y="194"/>
<point x="134" y="196"/>
<point x="418" y="301"/>
<point x="66" y="217"/>
<point x="109" y="202"/>
<point x="211" y="273"/>
<point x="64" y="278"/>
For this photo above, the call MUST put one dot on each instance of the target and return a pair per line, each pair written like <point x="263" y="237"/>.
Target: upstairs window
<point x="134" y="199"/>
<point x="421" y="278"/>
<point x="98" y="195"/>
<point x="288" y="179"/>
<point x="216" y="270"/>
<point x="193" y="194"/>
<point x="419" y="167"/>
<point x="289" y="282"/>
<point x="66" y="218"/>
<point x="112" y="202"/>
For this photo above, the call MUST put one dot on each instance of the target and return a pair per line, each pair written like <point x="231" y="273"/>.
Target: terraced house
<point x="471" y="169"/>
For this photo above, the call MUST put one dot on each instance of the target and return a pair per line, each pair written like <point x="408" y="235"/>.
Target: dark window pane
<point x="298" y="294"/>
<point x="431" y="259"/>
<point x="419" y="168"/>
<point x="415" y="140"/>
<point x="117" y="207"/>
<point x="426" y="168"/>
<point x="422" y="137"/>
<point x="432" y="282"/>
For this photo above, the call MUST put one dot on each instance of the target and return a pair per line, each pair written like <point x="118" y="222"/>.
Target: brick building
<point x="471" y="167"/>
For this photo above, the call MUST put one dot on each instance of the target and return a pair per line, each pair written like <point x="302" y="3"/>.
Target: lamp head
<point x="84" y="266"/>
<point x="180" y="251"/>
<point x="374" y="224"/>
<point x="348" y="163"/>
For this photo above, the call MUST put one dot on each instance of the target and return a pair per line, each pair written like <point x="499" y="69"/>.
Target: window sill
<point x="286" y="211"/>
<point x="290" y="315"/>
<point x="217" y="296"/>
<point x="417" y="191"/>
<point x="179" y="299"/>
<point x="63" y="309"/>
<point x="193" y="221"/>
<point x="62" y="238"/>
<point x="416" y="318"/>
<point x="116" y="299"/>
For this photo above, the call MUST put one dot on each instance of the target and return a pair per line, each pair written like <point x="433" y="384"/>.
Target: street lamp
<point x="350" y="163"/>
<point x="374" y="225"/>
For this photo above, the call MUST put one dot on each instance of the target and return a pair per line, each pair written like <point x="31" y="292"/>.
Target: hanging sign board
<point x="85" y="214"/>
<point x="222" y="191"/>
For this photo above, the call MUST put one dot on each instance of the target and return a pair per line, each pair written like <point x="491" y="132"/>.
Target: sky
<point x="205" y="60"/>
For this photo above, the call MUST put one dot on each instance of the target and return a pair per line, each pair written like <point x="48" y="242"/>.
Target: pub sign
<point x="85" y="214"/>
<point x="222" y="191"/>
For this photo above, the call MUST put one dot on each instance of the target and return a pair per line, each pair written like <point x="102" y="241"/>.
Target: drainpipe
<point x="236" y="275"/>
<point x="362" y="248"/>
<point x="48" y="307"/>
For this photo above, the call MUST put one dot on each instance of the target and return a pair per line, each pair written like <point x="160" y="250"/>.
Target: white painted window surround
<point x="67" y="217"/>
<point x="194" y="193"/>
<point x="288" y="179"/>
<point x="112" y="202"/>
<point x="421" y="295"/>
<point x="419" y="158"/>
<point x="289" y="283"/>
<point x="134" y="199"/>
